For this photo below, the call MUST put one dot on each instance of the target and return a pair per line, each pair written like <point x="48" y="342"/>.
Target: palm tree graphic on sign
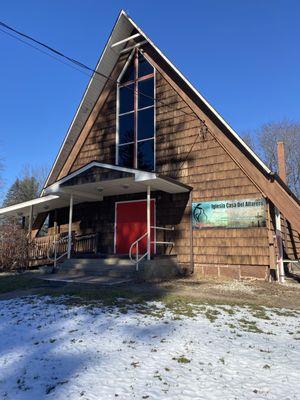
<point x="199" y="212"/>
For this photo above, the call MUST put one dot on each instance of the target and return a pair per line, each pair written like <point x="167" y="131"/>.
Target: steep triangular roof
<point x="124" y="28"/>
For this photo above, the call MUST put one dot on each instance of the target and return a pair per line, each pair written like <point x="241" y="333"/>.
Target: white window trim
<point x="118" y="144"/>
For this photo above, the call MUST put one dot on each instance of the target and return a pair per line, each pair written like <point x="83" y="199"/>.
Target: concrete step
<point x="112" y="267"/>
<point x="98" y="262"/>
<point x="159" y="268"/>
<point x="112" y="272"/>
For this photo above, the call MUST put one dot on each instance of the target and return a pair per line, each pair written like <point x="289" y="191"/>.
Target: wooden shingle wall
<point x="208" y="168"/>
<point x="100" y="143"/>
<point x="214" y="176"/>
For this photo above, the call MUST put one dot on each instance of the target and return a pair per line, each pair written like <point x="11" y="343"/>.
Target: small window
<point x="144" y="67"/>
<point x="126" y="94"/>
<point x="136" y="114"/>
<point x="128" y="75"/>
<point x="146" y="155"/>
<point x="126" y="128"/>
<point x="146" y="123"/>
<point x="126" y="155"/>
<point x="146" y="90"/>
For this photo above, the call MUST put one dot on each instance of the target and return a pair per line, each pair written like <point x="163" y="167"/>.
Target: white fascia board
<point x="87" y="90"/>
<point x="26" y="204"/>
<point x="139" y="175"/>
<point x="143" y="176"/>
<point x="209" y="106"/>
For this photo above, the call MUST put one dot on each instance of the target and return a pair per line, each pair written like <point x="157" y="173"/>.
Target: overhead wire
<point x="80" y="64"/>
<point x="94" y="72"/>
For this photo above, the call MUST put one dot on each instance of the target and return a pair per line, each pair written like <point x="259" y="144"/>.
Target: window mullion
<point x="135" y="109"/>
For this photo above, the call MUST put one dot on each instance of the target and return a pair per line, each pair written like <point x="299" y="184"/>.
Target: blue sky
<point x="242" y="55"/>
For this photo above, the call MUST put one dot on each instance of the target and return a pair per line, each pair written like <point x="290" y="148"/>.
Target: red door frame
<point x="115" y="225"/>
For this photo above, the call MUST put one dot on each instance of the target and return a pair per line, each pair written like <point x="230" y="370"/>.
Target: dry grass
<point x="176" y="293"/>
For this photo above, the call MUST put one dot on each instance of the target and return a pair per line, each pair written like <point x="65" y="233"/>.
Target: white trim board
<point x="27" y="204"/>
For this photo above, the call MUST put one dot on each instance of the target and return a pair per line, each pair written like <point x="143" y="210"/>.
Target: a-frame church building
<point x="148" y="167"/>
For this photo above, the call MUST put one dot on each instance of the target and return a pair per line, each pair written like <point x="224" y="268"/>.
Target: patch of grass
<point x="212" y="314"/>
<point x="182" y="360"/>
<point x="77" y="294"/>
<point x="9" y="283"/>
<point x="285" y="313"/>
<point x="260" y="313"/>
<point x="230" y="325"/>
<point x="180" y="308"/>
<point x="229" y="311"/>
<point x="249" y="326"/>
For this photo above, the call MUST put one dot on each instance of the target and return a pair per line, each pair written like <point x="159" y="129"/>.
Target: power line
<point x="82" y="65"/>
<point x="87" y="68"/>
<point x="44" y="52"/>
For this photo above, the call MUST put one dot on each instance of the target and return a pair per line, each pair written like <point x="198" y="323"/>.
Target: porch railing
<point x="39" y="248"/>
<point x="135" y="245"/>
<point x="85" y="243"/>
<point x="52" y="247"/>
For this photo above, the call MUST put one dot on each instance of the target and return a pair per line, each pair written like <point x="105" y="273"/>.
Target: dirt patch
<point x="252" y="293"/>
<point x="239" y="292"/>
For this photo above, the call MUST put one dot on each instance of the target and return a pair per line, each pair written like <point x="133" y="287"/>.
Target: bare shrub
<point x="14" y="247"/>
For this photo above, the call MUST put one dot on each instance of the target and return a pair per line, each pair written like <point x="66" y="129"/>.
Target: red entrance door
<point x="131" y="224"/>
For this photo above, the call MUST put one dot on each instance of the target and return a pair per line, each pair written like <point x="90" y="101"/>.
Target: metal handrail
<point x="136" y="243"/>
<point x="138" y="259"/>
<point x="162" y="228"/>
<point x="55" y="243"/>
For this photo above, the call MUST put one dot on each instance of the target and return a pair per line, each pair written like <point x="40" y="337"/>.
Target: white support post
<point x="70" y="227"/>
<point x="30" y="222"/>
<point x="280" y="266"/>
<point x="148" y="223"/>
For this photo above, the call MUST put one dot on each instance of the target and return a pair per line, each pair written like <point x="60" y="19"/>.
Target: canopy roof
<point x="93" y="182"/>
<point x="40" y="204"/>
<point x="97" y="180"/>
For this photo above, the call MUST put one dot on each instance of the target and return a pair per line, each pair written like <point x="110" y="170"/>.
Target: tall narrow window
<point x="136" y="115"/>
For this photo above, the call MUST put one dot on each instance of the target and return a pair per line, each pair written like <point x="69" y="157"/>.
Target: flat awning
<point x="40" y="204"/>
<point x="97" y="180"/>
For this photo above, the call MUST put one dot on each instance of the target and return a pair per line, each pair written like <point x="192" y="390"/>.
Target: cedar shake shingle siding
<point x="208" y="169"/>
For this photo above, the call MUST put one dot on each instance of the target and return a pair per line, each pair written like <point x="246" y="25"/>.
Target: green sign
<point x="229" y="214"/>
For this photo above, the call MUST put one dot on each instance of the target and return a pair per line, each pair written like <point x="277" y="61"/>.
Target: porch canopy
<point x="91" y="183"/>
<point x="41" y="204"/>
<point x="97" y="180"/>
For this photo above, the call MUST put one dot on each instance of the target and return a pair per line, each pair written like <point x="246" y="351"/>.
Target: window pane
<point x="146" y="155"/>
<point x="126" y="128"/>
<point x="126" y="154"/>
<point x="129" y="72"/>
<point x="144" y="67"/>
<point x="146" y="123"/>
<point x="146" y="93"/>
<point x="126" y="98"/>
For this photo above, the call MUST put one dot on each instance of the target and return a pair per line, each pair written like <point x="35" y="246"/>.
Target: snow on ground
<point x="51" y="350"/>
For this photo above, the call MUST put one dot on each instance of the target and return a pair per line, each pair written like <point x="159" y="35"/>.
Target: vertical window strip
<point x="136" y="111"/>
